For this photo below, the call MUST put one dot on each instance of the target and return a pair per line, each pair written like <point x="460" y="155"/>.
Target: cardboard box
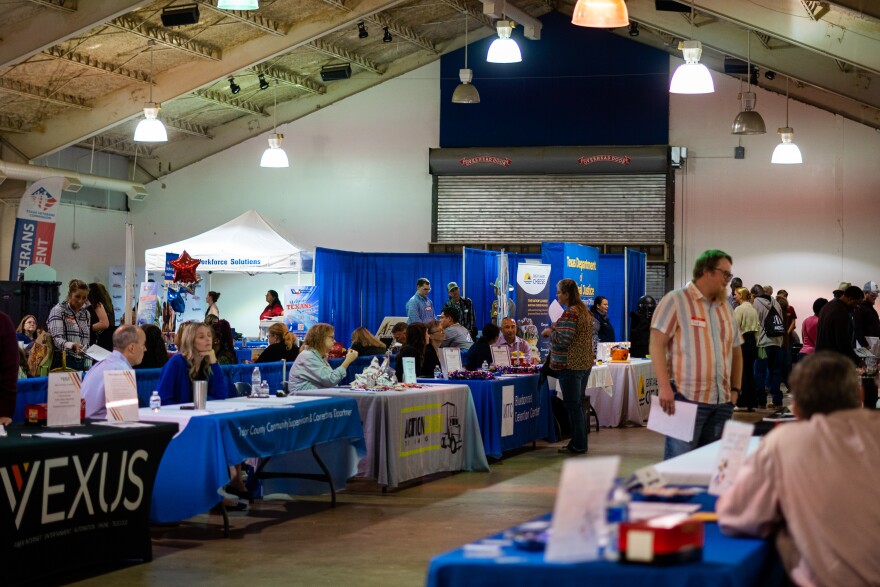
<point x="663" y="540"/>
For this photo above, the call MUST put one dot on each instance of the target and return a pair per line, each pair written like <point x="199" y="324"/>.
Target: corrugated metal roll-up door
<point x="533" y="208"/>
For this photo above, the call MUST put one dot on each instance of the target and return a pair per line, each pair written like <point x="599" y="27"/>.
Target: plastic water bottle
<point x="437" y="373"/>
<point x="155" y="401"/>
<point x="256" y="379"/>
<point x="484" y="366"/>
<point x="264" y="389"/>
<point x="616" y="512"/>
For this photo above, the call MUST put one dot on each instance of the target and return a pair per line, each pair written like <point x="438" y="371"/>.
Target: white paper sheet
<point x="97" y="353"/>
<point x="452" y="360"/>
<point x="579" y="512"/>
<point x="734" y="446"/>
<point x="680" y="425"/>
<point x="409" y="370"/>
<point x="555" y="310"/>
<point x="501" y="355"/>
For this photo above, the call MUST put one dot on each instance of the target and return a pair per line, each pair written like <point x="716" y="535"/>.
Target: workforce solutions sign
<point x="35" y="225"/>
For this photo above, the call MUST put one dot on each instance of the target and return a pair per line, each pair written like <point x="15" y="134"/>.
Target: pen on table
<point x="26" y="435"/>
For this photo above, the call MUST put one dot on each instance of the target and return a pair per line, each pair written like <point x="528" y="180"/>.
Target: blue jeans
<point x="573" y="384"/>
<point x="773" y="364"/>
<point x="707" y="429"/>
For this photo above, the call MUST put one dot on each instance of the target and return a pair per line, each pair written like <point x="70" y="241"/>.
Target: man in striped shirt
<point x="695" y="350"/>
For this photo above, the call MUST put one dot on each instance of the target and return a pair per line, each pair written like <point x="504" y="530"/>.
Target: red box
<point x="36" y="413"/>
<point x="663" y="540"/>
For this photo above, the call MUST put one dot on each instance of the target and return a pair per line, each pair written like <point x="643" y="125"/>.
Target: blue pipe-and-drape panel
<point x="360" y="289"/>
<point x="481" y="271"/>
<point x="636" y="274"/>
<point x="612" y="283"/>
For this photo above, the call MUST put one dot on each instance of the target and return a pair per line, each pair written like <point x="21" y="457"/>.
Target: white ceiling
<point x="76" y="72"/>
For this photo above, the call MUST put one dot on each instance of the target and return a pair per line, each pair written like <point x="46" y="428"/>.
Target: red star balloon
<point x="185" y="268"/>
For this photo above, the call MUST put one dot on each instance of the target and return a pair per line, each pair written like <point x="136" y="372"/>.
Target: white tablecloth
<point x="619" y="392"/>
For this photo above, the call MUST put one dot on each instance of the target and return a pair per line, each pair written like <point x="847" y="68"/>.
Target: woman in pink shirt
<point x="811" y="325"/>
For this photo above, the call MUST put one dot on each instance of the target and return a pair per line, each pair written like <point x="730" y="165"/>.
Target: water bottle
<point x="437" y="372"/>
<point x="264" y="389"/>
<point x="256" y="379"/>
<point x="484" y="366"/>
<point x="616" y="511"/>
<point x="155" y="401"/>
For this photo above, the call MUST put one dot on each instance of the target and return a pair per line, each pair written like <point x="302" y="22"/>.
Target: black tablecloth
<point x="71" y="503"/>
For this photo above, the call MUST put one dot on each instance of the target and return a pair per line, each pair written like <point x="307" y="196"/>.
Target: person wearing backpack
<point x="769" y="343"/>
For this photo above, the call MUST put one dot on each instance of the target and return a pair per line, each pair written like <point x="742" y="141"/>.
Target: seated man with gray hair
<point x="813" y="483"/>
<point x="129" y="345"/>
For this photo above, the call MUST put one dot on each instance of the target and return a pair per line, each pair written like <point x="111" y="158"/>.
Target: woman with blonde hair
<point x="746" y="316"/>
<point x="282" y="345"/>
<point x="311" y="369"/>
<point x="70" y="325"/>
<point x="194" y="361"/>
<point x="365" y="343"/>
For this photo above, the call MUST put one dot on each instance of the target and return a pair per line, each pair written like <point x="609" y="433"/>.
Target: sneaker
<point x="739" y="409"/>
<point x="772" y="406"/>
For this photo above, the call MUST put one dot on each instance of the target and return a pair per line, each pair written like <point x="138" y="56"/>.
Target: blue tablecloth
<point x="527" y="411"/>
<point x="727" y="562"/>
<point x="196" y="463"/>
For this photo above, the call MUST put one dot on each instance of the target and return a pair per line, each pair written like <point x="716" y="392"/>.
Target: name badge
<point x="698" y="322"/>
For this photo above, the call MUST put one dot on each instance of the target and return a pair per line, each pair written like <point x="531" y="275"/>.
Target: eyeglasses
<point x="435" y="331"/>
<point x="726" y="274"/>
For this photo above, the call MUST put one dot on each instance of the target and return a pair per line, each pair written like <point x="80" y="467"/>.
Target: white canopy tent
<point x="247" y="244"/>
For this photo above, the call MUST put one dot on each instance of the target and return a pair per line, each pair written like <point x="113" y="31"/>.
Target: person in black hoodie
<point x="282" y="345"/>
<point x="640" y="327"/>
<point x="600" y="315"/>
<point x="481" y="350"/>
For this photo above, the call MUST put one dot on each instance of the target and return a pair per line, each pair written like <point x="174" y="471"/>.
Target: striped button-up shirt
<point x="702" y="335"/>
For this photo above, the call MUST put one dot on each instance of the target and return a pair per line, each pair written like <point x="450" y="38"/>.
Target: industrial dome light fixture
<point x="465" y="92"/>
<point x="786" y="152"/>
<point x="151" y="129"/>
<point x="238" y="4"/>
<point x="748" y="122"/>
<point x="275" y="156"/>
<point x="600" y="14"/>
<point x="692" y="77"/>
<point x="504" y="49"/>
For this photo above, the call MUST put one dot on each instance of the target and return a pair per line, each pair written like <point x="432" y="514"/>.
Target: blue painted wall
<point x="576" y="86"/>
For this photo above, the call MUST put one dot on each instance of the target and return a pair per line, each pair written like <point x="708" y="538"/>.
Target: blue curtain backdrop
<point x="612" y="282"/>
<point x="481" y="271"/>
<point x="359" y="289"/>
<point x="636" y="273"/>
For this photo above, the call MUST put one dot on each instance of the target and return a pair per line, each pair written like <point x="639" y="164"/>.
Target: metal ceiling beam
<point x="477" y="15"/>
<point x="124" y="147"/>
<point x="297" y="81"/>
<point x="26" y="39"/>
<point x="92" y="63"/>
<point x="404" y="32"/>
<point x="165" y="37"/>
<point x="838" y="35"/>
<point x="42" y="94"/>
<point x="68" y="6"/>
<point x="264" y="24"/>
<point x="123" y="104"/>
<point x="340" y="53"/>
<point x="503" y="8"/>
<point x="234" y="103"/>
<point x="187" y="128"/>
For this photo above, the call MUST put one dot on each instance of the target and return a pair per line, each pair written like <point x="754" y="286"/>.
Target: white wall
<point x="802" y="228"/>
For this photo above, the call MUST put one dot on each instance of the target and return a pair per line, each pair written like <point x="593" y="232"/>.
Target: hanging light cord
<point x="152" y="47"/>
<point x="749" y="58"/>
<point x="788" y="79"/>
<point x="465" y="38"/>
<point x="275" y="110"/>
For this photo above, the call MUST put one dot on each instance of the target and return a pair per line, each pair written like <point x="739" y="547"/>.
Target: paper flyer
<point x="452" y="360"/>
<point x="120" y="392"/>
<point x="680" y="425"/>
<point x="579" y="512"/>
<point x="733" y="450"/>
<point x="64" y="401"/>
<point x="501" y="355"/>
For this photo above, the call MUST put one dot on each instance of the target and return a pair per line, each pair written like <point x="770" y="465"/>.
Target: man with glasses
<point x="695" y="350"/>
<point x="419" y="308"/>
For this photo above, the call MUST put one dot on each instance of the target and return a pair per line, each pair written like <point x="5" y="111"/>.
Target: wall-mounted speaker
<point x="331" y="73"/>
<point x="180" y="15"/>
<point x="671" y="6"/>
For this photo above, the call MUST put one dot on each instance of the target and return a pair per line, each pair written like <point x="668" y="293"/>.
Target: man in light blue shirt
<point x="129" y="344"/>
<point x="419" y="308"/>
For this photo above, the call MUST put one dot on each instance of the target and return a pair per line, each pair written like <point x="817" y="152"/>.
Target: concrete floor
<point x="370" y="538"/>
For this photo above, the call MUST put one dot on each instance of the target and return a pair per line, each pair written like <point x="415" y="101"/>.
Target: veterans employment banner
<point x="35" y="225"/>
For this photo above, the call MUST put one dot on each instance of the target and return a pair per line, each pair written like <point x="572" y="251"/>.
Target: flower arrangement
<point x="466" y="375"/>
<point x="517" y="370"/>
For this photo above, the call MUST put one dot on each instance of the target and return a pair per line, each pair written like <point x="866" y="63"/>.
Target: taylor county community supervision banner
<point x="35" y="225"/>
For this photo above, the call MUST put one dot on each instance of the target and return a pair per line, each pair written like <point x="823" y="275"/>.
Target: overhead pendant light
<point x="504" y="49"/>
<point x="786" y="152"/>
<point x="692" y="77"/>
<point x="275" y="156"/>
<point x="748" y="122"/>
<point x="238" y="4"/>
<point x="465" y="92"/>
<point x="151" y="129"/>
<point x="600" y="14"/>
